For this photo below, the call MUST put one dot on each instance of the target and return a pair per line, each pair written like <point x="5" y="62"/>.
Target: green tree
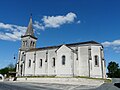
<point x="117" y="73"/>
<point x="113" y="70"/>
<point x="6" y="70"/>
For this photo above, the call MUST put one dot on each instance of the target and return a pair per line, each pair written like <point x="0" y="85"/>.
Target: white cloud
<point x="11" y="32"/>
<point x="106" y="44"/>
<point x="38" y="25"/>
<point x="5" y="26"/>
<point x="115" y="45"/>
<point x="55" y="21"/>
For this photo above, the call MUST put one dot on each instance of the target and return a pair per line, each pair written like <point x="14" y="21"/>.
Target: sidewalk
<point x="70" y="81"/>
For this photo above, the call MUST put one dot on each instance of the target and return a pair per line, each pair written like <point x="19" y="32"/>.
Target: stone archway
<point x="1" y="77"/>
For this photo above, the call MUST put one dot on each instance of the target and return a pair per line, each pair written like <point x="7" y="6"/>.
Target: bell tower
<point x="28" y="41"/>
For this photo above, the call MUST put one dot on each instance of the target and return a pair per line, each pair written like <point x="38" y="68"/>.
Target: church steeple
<point x="30" y="28"/>
<point x="29" y="40"/>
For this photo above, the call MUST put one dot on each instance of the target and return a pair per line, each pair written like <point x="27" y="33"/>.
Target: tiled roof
<point x="72" y="44"/>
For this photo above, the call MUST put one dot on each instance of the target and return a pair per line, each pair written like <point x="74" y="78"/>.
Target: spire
<point x="30" y="28"/>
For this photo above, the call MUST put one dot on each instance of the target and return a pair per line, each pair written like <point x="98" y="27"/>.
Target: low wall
<point x="2" y="78"/>
<point x="73" y="81"/>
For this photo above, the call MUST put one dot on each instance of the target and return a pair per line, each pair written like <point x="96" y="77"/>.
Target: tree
<point x="6" y="70"/>
<point x="117" y="73"/>
<point x="113" y="70"/>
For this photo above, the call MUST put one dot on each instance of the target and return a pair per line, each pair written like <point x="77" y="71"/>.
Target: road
<point x="22" y="86"/>
<point x="110" y="86"/>
<point x="42" y="86"/>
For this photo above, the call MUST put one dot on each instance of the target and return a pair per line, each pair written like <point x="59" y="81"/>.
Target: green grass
<point x="105" y="80"/>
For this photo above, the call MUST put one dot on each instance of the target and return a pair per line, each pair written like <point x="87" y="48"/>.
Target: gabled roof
<point x="72" y="44"/>
<point x="65" y="46"/>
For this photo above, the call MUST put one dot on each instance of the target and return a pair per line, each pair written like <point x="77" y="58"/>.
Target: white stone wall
<point x="83" y="61"/>
<point x="20" y="62"/>
<point x="76" y="65"/>
<point x="52" y="69"/>
<point x="41" y="70"/>
<point x="29" y="71"/>
<point x="96" y="71"/>
<point x="47" y="66"/>
<point x="77" y="62"/>
<point x="64" y="70"/>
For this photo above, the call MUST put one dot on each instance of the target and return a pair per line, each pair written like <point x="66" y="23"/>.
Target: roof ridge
<point x="72" y="44"/>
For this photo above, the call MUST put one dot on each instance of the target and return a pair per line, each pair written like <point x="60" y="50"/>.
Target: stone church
<point x="66" y="60"/>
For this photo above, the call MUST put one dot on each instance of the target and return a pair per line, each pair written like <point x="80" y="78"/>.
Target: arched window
<point x="33" y="44"/>
<point x="96" y="60"/>
<point x="63" y="60"/>
<point x="53" y="62"/>
<point x="29" y="64"/>
<point x="40" y="63"/>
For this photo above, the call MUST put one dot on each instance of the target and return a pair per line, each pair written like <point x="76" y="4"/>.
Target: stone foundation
<point x="73" y="81"/>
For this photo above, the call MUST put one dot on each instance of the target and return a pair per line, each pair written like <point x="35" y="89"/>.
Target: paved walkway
<point x="42" y="86"/>
<point x="52" y="86"/>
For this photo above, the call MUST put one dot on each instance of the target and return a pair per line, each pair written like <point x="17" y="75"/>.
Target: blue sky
<point x="60" y="21"/>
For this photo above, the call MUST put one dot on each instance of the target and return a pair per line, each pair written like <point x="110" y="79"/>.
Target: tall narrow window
<point x="40" y="63"/>
<point x="63" y="60"/>
<point x="96" y="60"/>
<point x="31" y="44"/>
<point x="77" y="54"/>
<point x="29" y="64"/>
<point x="53" y="62"/>
<point x="89" y="53"/>
<point x="46" y="56"/>
<point x="23" y="43"/>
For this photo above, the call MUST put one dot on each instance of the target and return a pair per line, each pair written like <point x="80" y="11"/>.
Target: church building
<point x="66" y="60"/>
